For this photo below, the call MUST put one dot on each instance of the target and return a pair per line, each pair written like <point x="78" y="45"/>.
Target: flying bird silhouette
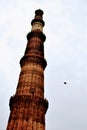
<point x="65" y="82"/>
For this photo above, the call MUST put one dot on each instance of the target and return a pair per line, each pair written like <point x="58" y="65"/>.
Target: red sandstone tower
<point x="28" y="106"/>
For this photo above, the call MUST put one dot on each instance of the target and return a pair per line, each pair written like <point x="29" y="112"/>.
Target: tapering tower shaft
<point x="28" y="106"/>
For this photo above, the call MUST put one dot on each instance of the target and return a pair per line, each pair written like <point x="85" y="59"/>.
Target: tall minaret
<point x="28" y="106"/>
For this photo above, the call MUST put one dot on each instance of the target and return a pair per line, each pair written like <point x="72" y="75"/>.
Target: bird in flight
<point x="65" y="82"/>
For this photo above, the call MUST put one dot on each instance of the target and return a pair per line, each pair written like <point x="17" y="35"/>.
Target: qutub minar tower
<point x="28" y="106"/>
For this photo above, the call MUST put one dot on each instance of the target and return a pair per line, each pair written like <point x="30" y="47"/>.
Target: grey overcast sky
<point x="65" y="51"/>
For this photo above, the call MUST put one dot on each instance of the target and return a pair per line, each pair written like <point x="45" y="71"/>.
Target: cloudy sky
<point x="65" y="51"/>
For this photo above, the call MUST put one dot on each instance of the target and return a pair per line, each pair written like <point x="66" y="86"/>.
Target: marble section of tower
<point x="28" y="106"/>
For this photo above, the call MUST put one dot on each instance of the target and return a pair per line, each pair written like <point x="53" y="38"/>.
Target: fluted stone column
<point x="28" y="106"/>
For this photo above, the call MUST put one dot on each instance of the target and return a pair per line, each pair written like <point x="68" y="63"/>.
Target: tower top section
<point x="38" y="23"/>
<point x="39" y="12"/>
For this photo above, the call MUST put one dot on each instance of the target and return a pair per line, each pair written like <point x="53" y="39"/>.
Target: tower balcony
<point x="33" y="59"/>
<point x="36" y="34"/>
